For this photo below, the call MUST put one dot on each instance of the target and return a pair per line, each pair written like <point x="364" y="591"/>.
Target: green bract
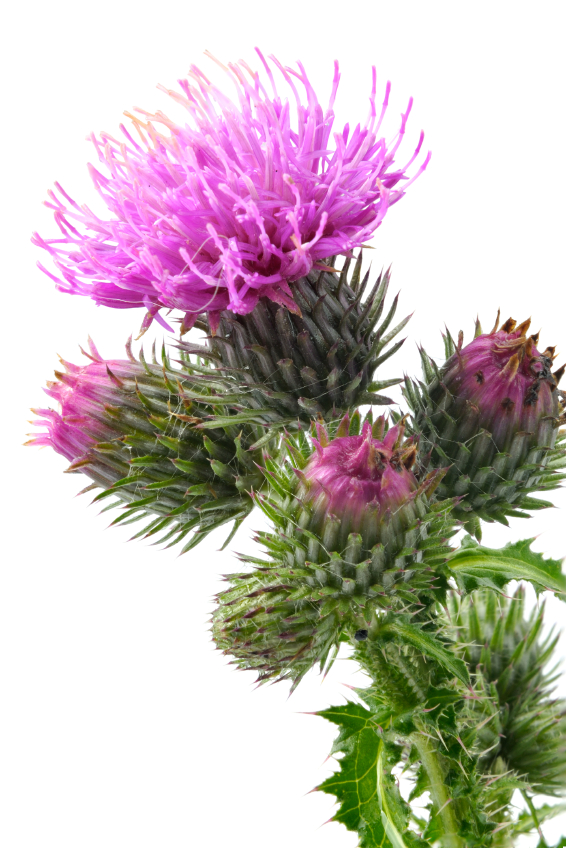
<point x="509" y="654"/>
<point x="318" y="360"/>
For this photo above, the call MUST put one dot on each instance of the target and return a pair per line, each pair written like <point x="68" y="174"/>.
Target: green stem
<point x="428" y="754"/>
<point x="533" y="813"/>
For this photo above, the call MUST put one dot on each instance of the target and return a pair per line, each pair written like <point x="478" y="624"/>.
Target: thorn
<point x="496" y="325"/>
<point x="522" y="328"/>
<point x="559" y="373"/>
<point x="511" y="367"/>
<point x="509" y="326"/>
<point x="549" y="352"/>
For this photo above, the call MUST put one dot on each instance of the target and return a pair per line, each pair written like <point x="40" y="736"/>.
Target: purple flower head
<point x="353" y="476"/>
<point x="502" y="383"/>
<point x="234" y="205"/>
<point x="83" y="394"/>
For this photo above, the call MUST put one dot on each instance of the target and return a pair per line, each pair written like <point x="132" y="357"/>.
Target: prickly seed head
<point x="512" y="659"/>
<point x="503" y="383"/>
<point x="490" y="417"/>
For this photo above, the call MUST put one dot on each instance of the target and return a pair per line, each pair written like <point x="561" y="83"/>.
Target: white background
<point x="120" y="726"/>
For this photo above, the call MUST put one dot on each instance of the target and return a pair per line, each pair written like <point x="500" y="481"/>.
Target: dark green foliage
<point x="367" y="794"/>
<point x="288" y="366"/>
<point x="409" y="701"/>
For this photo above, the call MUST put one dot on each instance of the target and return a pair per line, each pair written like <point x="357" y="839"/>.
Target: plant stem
<point x="428" y="754"/>
<point x="533" y="813"/>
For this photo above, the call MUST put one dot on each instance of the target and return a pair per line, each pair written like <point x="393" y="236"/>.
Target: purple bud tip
<point x="83" y="394"/>
<point x="504" y="382"/>
<point x="355" y="473"/>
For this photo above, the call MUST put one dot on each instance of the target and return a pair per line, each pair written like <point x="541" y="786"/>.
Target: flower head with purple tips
<point x="234" y="206"/>
<point x="352" y="476"/>
<point x="500" y="382"/>
<point x="83" y="394"/>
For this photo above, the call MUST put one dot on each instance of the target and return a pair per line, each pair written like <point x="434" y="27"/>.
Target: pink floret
<point x="505" y="382"/>
<point x="83" y="393"/>
<point x="231" y="207"/>
<point x="354" y="474"/>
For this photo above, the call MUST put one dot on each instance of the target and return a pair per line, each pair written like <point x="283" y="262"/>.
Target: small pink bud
<point x="355" y="474"/>
<point x="502" y="383"/>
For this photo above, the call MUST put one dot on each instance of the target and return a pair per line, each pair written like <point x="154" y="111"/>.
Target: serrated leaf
<point x="474" y="565"/>
<point x="355" y="783"/>
<point x="368" y="798"/>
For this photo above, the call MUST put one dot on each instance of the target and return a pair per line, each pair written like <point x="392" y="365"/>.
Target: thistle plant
<point x="246" y="220"/>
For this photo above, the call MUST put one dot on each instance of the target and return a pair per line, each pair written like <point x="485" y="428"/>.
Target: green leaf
<point x="474" y="565"/>
<point x="355" y="783"/>
<point x="353" y="718"/>
<point x="368" y="798"/>
<point x="431" y="647"/>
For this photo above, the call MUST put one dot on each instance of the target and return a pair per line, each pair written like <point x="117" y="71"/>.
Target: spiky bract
<point x="490" y="416"/>
<point x="320" y="362"/>
<point x="139" y="431"/>
<point x="324" y="581"/>
<point x="507" y="651"/>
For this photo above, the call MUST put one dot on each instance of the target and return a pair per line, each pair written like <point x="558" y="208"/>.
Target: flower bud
<point x="508" y="654"/>
<point x="353" y="533"/>
<point x="490" y="416"/>
<point x="353" y="475"/>
<point x="138" y="431"/>
<point x="317" y="359"/>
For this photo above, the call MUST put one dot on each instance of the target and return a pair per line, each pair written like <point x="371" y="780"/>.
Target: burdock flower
<point x="233" y="206"/>
<point x="353" y="534"/>
<point x="134" y="429"/>
<point x="491" y="415"/>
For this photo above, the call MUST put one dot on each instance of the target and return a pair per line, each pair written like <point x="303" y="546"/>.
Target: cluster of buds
<point x="355" y="534"/>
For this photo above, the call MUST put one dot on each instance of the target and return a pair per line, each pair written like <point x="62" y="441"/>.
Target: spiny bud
<point x="138" y="431"/>
<point x="507" y="652"/>
<point x="359" y="479"/>
<point x="490" y="416"/>
<point x="353" y="534"/>
<point x="316" y="360"/>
